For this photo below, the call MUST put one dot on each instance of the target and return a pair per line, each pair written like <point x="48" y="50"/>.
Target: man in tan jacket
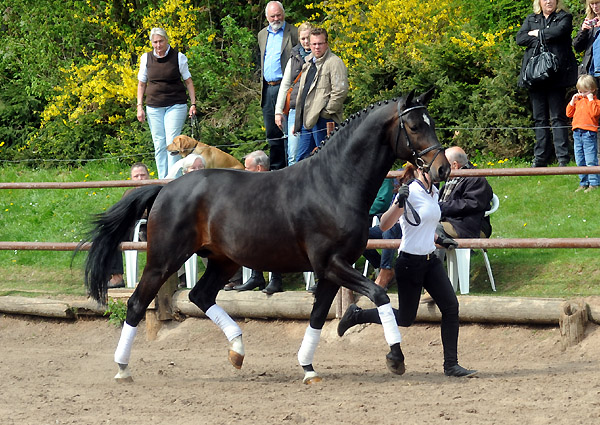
<point x="323" y="89"/>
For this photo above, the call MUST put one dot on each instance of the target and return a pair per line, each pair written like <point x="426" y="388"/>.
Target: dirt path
<point x="62" y="373"/>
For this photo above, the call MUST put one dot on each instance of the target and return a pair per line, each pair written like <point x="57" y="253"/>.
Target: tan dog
<point x="215" y="158"/>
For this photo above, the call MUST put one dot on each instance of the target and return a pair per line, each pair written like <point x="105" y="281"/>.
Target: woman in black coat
<point x="584" y="40"/>
<point x="551" y="21"/>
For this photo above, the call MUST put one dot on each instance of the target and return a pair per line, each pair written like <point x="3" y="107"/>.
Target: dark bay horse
<point x="319" y="222"/>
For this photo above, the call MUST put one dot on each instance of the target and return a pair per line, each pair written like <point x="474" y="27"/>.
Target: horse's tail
<point x="110" y="229"/>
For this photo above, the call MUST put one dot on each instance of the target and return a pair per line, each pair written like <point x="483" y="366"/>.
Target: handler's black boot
<point x="349" y="319"/>
<point x="257" y="280"/>
<point x="275" y="284"/>
<point x="458" y="371"/>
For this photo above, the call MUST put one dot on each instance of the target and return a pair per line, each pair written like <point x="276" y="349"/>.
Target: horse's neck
<point x="357" y="164"/>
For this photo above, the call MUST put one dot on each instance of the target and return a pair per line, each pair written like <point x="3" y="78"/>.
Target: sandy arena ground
<point x="59" y="372"/>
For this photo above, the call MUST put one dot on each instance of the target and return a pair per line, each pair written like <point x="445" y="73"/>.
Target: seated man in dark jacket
<point x="464" y="201"/>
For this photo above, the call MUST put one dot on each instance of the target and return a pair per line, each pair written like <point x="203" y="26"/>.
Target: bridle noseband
<point x="417" y="155"/>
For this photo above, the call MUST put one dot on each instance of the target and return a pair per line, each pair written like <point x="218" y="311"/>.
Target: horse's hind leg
<point x="324" y="297"/>
<point x="204" y="295"/>
<point x="153" y="277"/>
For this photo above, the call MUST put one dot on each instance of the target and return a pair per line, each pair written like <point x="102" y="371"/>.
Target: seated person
<point x="464" y="201"/>
<point x="192" y="162"/>
<point x="139" y="171"/>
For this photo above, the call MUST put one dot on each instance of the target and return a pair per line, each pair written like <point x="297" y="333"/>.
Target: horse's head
<point x="416" y="140"/>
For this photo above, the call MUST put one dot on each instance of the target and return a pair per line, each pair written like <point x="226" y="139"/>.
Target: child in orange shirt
<point x="584" y="108"/>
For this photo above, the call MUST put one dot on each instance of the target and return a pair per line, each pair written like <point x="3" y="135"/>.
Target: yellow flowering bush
<point x="101" y="91"/>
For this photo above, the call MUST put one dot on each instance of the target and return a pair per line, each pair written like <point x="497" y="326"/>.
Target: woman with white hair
<point x="160" y="80"/>
<point x="190" y="163"/>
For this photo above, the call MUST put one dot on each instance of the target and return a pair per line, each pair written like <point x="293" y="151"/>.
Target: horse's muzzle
<point x="441" y="173"/>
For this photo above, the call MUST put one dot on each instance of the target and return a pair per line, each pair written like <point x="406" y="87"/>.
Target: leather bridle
<point x="417" y="155"/>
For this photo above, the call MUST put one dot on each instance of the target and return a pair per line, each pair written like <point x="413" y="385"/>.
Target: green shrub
<point x="116" y="312"/>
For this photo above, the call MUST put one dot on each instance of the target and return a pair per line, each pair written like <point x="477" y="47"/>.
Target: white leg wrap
<point x="390" y="327"/>
<point x="223" y="321"/>
<point x="308" y="346"/>
<point x="123" y="350"/>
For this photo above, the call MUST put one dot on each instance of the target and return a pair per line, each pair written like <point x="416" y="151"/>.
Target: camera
<point x="592" y="22"/>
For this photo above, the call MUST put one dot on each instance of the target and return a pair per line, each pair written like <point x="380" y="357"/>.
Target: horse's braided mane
<point x="354" y="119"/>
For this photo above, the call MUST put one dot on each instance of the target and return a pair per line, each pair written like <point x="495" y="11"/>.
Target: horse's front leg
<point x="204" y="295"/>
<point x="324" y="297"/>
<point x="341" y="273"/>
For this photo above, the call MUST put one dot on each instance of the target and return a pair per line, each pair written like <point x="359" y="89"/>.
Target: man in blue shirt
<point x="275" y="42"/>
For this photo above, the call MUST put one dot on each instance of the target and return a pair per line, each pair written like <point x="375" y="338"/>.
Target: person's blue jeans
<point x="165" y="124"/>
<point x="292" y="139"/>
<point x="385" y="260"/>
<point x="586" y="154"/>
<point x="311" y="138"/>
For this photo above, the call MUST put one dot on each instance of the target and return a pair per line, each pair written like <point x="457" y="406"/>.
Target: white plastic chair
<point x="459" y="260"/>
<point x="131" y="263"/>
<point x="374" y="223"/>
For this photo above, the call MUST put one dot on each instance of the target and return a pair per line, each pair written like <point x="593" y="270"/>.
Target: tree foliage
<point x="68" y="69"/>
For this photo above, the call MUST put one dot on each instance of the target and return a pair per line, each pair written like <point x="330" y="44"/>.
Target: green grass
<point x="530" y="207"/>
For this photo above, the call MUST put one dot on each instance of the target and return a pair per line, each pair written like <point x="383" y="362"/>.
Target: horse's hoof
<point x="123" y="375"/>
<point x="236" y="359"/>
<point x="311" y="378"/>
<point x="395" y="365"/>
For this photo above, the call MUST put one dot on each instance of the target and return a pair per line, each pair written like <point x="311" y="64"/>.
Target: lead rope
<point x="408" y="205"/>
<point x="193" y="123"/>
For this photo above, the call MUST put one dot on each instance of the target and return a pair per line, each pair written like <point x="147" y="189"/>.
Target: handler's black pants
<point x="412" y="275"/>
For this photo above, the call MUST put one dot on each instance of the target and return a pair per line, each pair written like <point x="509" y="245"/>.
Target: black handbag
<point x="541" y="66"/>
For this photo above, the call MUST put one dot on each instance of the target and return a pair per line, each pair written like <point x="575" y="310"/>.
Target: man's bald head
<point x="456" y="157"/>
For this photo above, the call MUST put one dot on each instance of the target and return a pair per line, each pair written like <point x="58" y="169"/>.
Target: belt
<point x="274" y="83"/>
<point x="425" y="257"/>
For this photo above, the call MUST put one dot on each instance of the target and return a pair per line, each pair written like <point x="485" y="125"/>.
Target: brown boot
<point x="385" y="277"/>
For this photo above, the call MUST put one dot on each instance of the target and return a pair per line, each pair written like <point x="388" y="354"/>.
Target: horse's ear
<point x="409" y="98"/>
<point x="426" y="97"/>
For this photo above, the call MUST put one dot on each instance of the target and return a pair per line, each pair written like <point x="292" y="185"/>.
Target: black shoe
<point x="119" y="284"/>
<point x="394" y="360"/>
<point x="257" y="280"/>
<point x="312" y="288"/>
<point x="348" y="319"/>
<point x="538" y="164"/>
<point x="275" y="284"/>
<point x="563" y="163"/>
<point x="458" y="371"/>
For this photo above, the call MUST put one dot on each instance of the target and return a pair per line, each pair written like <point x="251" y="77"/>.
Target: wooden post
<point x="572" y="321"/>
<point x="163" y="308"/>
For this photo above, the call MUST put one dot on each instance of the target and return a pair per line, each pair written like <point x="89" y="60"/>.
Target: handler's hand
<point x="402" y="195"/>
